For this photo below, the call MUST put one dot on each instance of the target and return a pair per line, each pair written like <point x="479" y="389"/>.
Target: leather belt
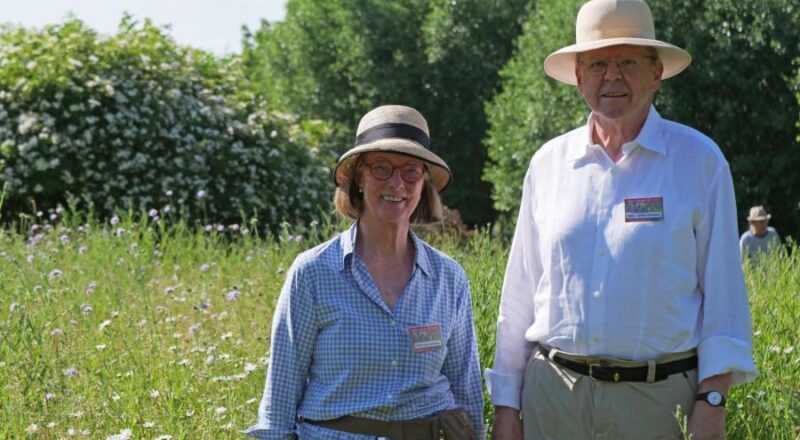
<point x="600" y="370"/>
<point x="424" y="429"/>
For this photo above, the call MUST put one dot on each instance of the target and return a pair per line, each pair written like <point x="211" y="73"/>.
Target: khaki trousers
<point x="559" y="404"/>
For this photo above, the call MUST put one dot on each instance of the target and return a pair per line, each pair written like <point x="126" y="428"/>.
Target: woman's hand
<point x="507" y="425"/>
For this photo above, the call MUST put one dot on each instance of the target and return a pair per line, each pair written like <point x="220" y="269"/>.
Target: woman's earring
<point x="360" y="190"/>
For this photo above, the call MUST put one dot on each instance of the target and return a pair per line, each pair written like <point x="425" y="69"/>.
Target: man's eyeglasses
<point x="384" y="170"/>
<point x="626" y="65"/>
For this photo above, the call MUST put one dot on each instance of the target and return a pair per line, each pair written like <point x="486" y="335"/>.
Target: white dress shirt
<point x="583" y="279"/>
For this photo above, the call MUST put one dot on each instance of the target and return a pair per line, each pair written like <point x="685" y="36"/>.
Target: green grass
<point x="156" y="348"/>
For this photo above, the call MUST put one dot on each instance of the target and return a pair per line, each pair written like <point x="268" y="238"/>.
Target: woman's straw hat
<point x="393" y="129"/>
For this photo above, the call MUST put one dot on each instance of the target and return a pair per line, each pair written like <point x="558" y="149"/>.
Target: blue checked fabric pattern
<point x="337" y="349"/>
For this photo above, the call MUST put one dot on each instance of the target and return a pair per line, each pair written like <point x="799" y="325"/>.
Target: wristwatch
<point x="713" y="398"/>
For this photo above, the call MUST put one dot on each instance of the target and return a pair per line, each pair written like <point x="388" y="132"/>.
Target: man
<point x="760" y="238"/>
<point x="623" y="295"/>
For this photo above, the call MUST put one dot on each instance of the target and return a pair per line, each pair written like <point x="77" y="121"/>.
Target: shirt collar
<point x="420" y="256"/>
<point x="348" y="243"/>
<point x="649" y="137"/>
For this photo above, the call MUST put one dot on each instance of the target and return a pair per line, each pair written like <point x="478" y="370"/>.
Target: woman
<point x="372" y="335"/>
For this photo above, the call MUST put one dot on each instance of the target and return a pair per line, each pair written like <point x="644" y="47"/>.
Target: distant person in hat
<point x="760" y="238"/>
<point x="623" y="295"/>
<point x="372" y="335"/>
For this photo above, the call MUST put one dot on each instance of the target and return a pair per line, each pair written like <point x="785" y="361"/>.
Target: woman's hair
<point x="349" y="201"/>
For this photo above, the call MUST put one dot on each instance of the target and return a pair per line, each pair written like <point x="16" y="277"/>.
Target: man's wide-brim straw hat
<point x="604" y="23"/>
<point x="758" y="213"/>
<point x="393" y="129"/>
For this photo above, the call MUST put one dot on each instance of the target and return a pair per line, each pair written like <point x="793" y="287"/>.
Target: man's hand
<point x="507" y="425"/>
<point x="708" y="422"/>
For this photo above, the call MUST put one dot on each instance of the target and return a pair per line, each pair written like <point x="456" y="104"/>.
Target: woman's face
<point x="392" y="186"/>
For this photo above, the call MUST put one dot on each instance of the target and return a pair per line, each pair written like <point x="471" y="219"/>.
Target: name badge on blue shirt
<point x="426" y="338"/>
<point x="645" y="209"/>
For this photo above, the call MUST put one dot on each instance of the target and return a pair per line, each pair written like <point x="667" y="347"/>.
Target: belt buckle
<point x="614" y="378"/>
<point x="591" y="370"/>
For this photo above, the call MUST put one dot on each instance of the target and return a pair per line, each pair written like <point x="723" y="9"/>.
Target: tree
<point x="532" y="108"/>
<point x="467" y="43"/>
<point x="738" y="91"/>
<point x="134" y="121"/>
<point x="336" y="60"/>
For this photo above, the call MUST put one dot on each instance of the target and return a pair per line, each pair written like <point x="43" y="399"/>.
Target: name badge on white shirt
<point x="645" y="209"/>
<point x="426" y="338"/>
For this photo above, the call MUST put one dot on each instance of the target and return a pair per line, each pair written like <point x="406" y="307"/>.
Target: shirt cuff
<point x="504" y="389"/>
<point x="720" y="355"/>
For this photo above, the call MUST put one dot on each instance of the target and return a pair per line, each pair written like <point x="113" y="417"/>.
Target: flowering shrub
<point x="135" y="121"/>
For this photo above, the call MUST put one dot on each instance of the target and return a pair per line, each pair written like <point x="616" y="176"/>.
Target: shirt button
<point x="597" y="294"/>
<point x="393" y="322"/>
<point x="389" y="397"/>
<point x="394" y="363"/>
<point x="601" y="253"/>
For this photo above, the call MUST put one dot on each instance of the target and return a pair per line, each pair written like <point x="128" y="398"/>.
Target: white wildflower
<point x="125" y="434"/>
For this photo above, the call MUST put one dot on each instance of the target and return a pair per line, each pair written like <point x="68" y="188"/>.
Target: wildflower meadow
<point x="131" y="329"/>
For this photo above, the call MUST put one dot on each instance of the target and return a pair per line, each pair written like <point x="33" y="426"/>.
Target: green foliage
<point x="467" y="42"/>
<point x="769" y="407"/>
<point x="738" y="91"/>
<point x="336" y="60"/>
<point x="160" y="346"/>
<point x="532" y="108"/>
<point x="134" y="121"/>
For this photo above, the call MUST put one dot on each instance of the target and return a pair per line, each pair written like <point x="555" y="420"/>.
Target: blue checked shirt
<point x="338" y="350"/>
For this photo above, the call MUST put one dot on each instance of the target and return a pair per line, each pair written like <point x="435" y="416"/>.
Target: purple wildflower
<point x="232" y="295"/>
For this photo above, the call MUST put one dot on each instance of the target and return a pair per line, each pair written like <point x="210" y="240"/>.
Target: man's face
<point x="618" y="82"/>
<point x="759" y="227"/>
